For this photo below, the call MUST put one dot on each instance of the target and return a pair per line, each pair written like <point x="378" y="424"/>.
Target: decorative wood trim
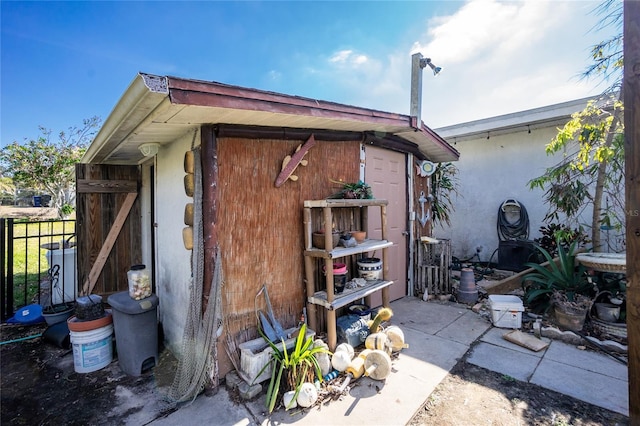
<point x="105" y="186"/>
<point x="286" y="133"/>
<point x="212" y="94"/>
<point x="394" y="143"/>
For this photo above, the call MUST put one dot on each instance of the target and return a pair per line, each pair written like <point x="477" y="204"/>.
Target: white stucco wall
<point x="491" y="171"/>
<point x="173" y="260"/>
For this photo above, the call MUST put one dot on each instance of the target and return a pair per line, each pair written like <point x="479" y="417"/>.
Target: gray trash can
<point x="136" y="329"/>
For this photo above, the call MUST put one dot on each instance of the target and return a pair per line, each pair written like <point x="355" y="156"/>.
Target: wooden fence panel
<point x="101" y="192"/>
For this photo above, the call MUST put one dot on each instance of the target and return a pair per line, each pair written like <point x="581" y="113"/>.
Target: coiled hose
<point x="516" y="230"/>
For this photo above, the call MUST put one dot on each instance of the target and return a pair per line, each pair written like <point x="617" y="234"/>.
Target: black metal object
<point x="16" y="283"/>
<point x="513" y="254"/>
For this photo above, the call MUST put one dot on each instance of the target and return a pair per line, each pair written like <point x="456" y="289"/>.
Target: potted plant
<point x="563" y="285"/>
<point x="54" y="314"/>
<point x="356" y="190"/>
<point x="297" y="367"/>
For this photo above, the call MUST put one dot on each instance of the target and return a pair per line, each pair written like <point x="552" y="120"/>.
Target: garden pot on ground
<point x="608" y="312"/>
<point x="566" y="319"/>
<point x="57" y="313"/>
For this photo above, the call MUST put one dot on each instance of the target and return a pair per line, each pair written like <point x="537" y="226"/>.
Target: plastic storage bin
<point x="136" y="328"/>
<point x="506" y="311"/>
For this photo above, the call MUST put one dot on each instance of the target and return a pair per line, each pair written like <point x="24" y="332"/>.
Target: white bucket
<point x="370" y="268"/>
<point x="93" y="349"/>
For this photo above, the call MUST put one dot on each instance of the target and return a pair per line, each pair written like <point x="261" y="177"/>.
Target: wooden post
<point x="308" y="271"/>
<point x="385" y="256"/>
<point x="209" y="160"/>
<point x="332" y="337"/>
<point x="311" y="307"/>
<point x="631" y="86"/>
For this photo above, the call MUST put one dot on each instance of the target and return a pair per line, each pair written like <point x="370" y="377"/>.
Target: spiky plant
<point x="566" y="276"/>
<point x="298" y="366"/>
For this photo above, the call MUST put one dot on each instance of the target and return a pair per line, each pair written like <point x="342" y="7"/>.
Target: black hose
<point x="513" y="231"/>
<point x="488" y="270"/>
<point x="602" y="348"/>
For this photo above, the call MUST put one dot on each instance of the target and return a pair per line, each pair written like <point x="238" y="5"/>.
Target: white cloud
<point x="489" y="27"/>
<point x="274" y="75"/>
<point x="348" y="58"/>
<point x="497" y="58"/>
<point x="506" y="57"/>
<point x="340" y="56"/>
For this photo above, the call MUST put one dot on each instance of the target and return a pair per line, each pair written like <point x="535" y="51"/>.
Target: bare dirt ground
<point x="40" y="387"/>
<point x="471" y="395"/>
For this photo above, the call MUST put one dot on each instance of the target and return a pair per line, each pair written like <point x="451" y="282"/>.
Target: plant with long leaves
<point x="299" y="365"/>
<point x="444" y="186"/>
<point x="566" y="276"/>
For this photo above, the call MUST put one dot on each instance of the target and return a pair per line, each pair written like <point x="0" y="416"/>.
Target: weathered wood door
<point x="101" y="192"/>
<point x="385" y="171"/>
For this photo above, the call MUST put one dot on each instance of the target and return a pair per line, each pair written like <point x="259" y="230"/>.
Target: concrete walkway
<point x="582" y="374"/>
<point x="439" y="335"/>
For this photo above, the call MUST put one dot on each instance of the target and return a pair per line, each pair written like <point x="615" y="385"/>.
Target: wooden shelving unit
<point x="327" y="299"/>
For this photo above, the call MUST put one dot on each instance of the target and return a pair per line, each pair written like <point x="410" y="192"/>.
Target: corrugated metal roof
<point x="161" y="109"/>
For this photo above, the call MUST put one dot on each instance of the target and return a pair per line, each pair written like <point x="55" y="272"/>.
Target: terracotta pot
<point x="76" y="325"/>
<point x="360" y="236"/>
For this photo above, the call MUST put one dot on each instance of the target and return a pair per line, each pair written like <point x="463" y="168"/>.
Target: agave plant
<point x="298" y="366"/>
<point x="565" y="276"/>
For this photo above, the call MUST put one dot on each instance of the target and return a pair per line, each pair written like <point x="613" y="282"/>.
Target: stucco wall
<point x="491" y="171"/>
<point x="173" y="260"/>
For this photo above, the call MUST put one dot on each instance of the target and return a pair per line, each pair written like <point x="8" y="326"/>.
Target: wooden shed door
<point x="385" y="171"/>
<point x="101" y="192"/>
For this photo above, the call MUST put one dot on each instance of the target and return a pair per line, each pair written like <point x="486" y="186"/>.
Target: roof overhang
<point x="556" y="115"/>
<point x="158" y="109"/>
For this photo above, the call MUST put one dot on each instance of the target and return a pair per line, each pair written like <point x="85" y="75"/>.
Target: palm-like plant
<point x="566" y="276"/>
<point x="300" y="366"/>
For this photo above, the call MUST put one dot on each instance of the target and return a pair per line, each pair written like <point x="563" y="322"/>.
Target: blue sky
<point x="62" y="62"/>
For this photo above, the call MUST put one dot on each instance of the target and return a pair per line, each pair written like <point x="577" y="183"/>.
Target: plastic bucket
<point x="362" y="311"/>
<point x="92" y="349"/>
<point x="370" y="268"/>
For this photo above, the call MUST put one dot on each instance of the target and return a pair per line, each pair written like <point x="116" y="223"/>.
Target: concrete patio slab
<point x="216" y="409"/>
<point x="597" y="389"/>
<point x="428" y="317"/>
<point x="587" y="360"/>
<point x="465" y="329"/>
<point x="509" y="362"/>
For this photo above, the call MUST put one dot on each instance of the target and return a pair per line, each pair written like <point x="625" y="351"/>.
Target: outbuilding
<point x="136" y="191"/>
